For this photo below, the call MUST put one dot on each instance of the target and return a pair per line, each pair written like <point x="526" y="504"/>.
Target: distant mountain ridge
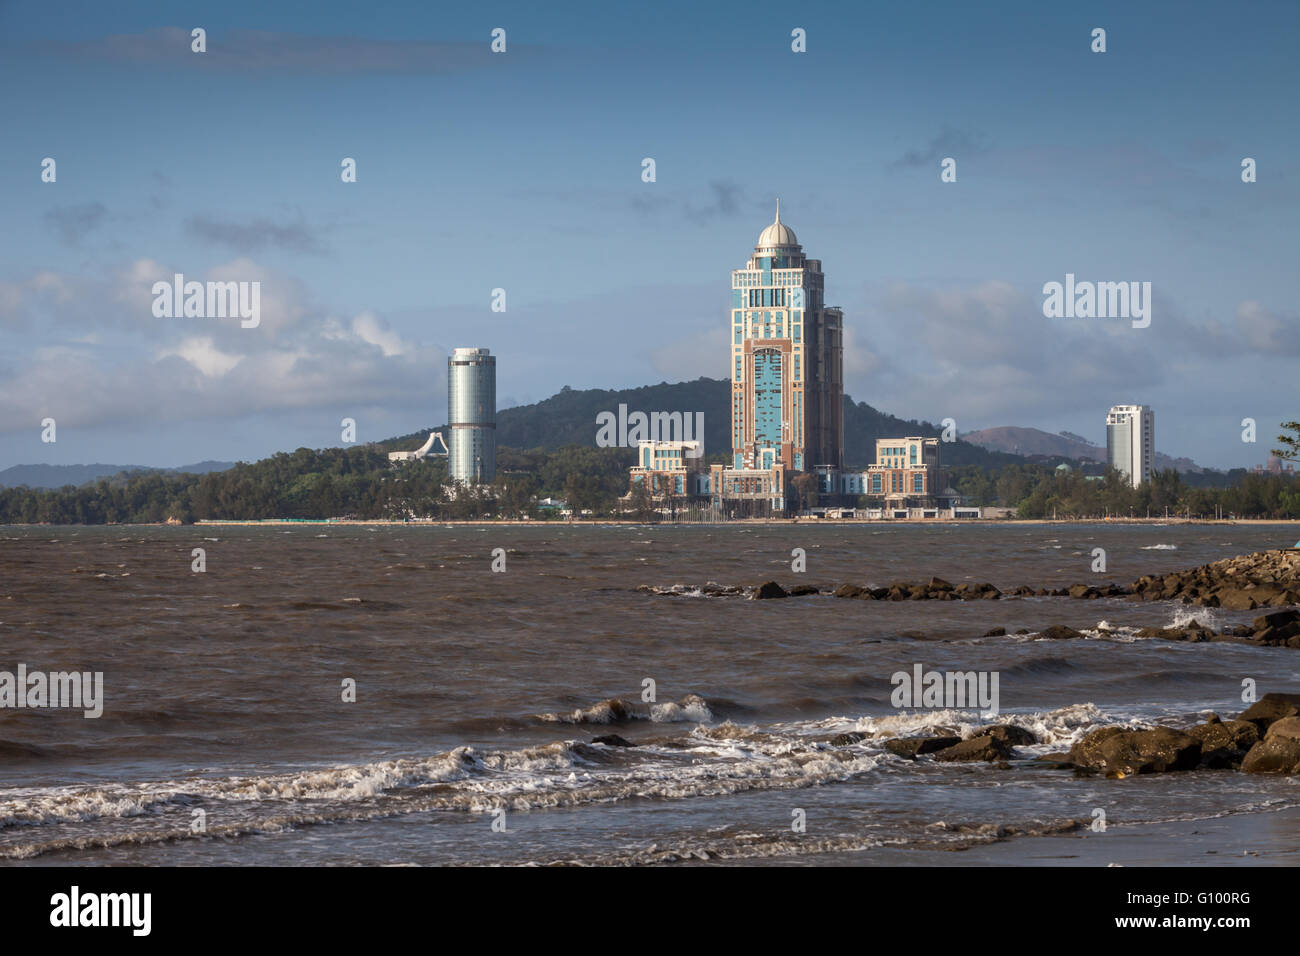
<point x="1034" y="441"/>
<point x="569" y="418"/>
<point x="57" y="476"/>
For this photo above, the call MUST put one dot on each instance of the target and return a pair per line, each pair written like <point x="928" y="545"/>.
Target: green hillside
<point x="569" y="418"/>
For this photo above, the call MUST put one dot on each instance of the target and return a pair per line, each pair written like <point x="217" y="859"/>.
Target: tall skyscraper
<point x="1131" y="441"/>
<point x="787" y="368"/>
<point x="472" y="416"/>
<point x="787" y="377"/>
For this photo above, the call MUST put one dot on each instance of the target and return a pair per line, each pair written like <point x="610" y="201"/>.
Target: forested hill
<point x="569" y="418"/>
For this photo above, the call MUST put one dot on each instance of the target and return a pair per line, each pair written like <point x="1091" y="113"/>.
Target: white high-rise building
<point x="472" y="416"/>
<point x="1131" y="441"/>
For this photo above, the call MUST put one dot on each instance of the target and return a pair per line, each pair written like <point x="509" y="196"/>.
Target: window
<point x="918" y="482"/>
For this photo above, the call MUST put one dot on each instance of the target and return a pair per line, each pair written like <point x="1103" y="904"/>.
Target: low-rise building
<point x="670" y="468"/>
<point x="907" y="474"/>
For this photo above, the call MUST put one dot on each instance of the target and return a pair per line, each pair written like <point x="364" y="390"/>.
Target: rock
<point x="1056" y="761"/>
<point x="1224" y="744"/>
<point x="1235" y="599"/>
<point x="852" y="591"/>
<point x="1082" y="591"/>
<point x="612" y="740"/>
<point x="1152" y="632"/>
<point x="799" y="590"/>
<point x="1288" y="728"/>
<point x="996" y="632"/>
<point x="913" y="747"/>
<point x="1059" y="632"/>
<point x="1117" y="751"/>
<point x="769" y="589"/>
<point x="939" y="584"/>
<point x="844" y="740"/>
<point x="1263" y="579"/>
<point x="1008" y="734"/>
<point x="1276" y="636"/>
<point x="976" y="748"/>
<point x="1236" y="734"/>
<point x="1279" y="751"/>
<point x="1270" y="708"/>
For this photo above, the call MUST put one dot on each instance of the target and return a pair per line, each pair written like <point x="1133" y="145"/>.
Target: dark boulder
<point x="1217" y="734"/>
<point x="852" y="591"/>
<point x="844" y="740"/>
<point x="913" y="747"/>
<point x="976" y="748"/>
<point x="769" y="589"/>
<point x="1272" y="707"/>
<point x="1119" y="752"/>
<point x="1008" y="734"/>
<point x="1279" y="751"/>
<point x="1235" y="599"/>
<point x="799" y="590"/>
<point x="612" y="740"/>
<point x="996" y="632"/>
<point x="1059" y="632"/>
<point x="1056" y="761"/>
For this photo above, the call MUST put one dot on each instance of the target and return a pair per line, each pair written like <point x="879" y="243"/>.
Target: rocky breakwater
<point x="1243" y="583"/>
<point x="1263" y="739"/>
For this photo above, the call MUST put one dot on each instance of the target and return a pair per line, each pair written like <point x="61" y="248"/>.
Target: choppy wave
<point x="706" y="761"/>
<point x="616" y="710"/>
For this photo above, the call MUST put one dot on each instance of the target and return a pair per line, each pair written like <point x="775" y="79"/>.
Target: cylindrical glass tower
<point x="472" y="416"/>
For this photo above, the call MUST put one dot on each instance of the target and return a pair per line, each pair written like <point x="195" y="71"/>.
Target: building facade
<point x="472" y="416"/>
<point x="787" y="375"/>
<point x="670" y="468"/>
<point x="1131" y="441"/>
<point x="907" y="474"/>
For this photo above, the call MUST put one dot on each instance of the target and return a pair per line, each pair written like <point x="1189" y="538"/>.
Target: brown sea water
<point x="479" y="691"/>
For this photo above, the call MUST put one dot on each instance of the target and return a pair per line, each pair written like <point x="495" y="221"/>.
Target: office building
<point x="1130" y="441"/>
<point x="787" y="381"/>
<point x="472" y="416"/>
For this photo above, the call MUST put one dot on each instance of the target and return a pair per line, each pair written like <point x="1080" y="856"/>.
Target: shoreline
<point x="617" y="522"/>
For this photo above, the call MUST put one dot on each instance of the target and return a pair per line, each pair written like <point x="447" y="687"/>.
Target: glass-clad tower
<point x="472" y="416"/>
<point x="787" y="367"/>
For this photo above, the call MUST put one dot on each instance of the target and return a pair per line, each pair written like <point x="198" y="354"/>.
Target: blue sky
<point x="522" y="171"/>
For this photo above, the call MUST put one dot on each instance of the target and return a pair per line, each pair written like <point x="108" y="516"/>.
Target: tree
<point x="805" y="489"/>
<point x="643" y="508"/>
<point x="1290" y="450"/>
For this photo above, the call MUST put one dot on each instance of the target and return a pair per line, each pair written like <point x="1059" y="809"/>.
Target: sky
<point x="522" y="170"/>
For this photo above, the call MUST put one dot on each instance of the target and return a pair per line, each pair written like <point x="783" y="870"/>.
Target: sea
<point x="324" y="694"/>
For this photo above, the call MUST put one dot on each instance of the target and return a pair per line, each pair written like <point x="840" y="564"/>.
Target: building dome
<point x="777" y="234"/>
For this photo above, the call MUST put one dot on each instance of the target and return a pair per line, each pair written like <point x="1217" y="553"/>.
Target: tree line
<point x="361" y="483"/>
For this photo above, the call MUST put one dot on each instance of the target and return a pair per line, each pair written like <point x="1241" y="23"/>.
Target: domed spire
<point x="777" y="234"/>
